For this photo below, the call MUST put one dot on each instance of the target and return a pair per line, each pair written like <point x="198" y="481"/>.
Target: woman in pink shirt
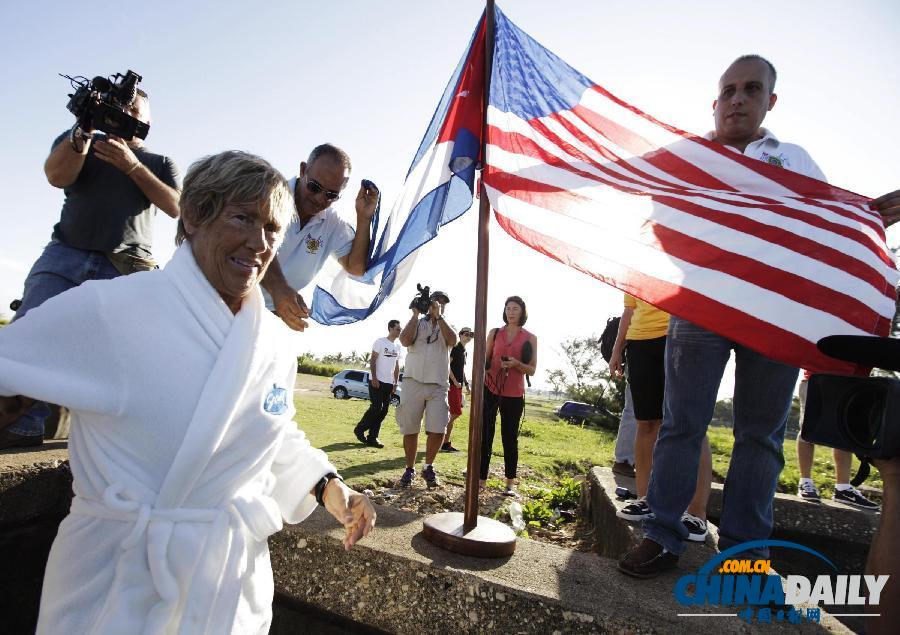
<point x="512" y="354"/>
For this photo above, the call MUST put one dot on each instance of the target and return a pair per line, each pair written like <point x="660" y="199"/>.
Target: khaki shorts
<point x="417" y="398"/>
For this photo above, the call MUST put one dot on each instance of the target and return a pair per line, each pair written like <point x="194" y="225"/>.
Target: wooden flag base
<point x="488" y="539"/>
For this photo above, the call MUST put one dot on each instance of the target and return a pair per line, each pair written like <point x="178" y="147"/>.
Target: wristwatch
<point x="319" y="489"/>
<point x="77" y="138"/>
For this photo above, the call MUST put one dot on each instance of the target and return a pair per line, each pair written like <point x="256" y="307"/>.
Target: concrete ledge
<point x="35" y="483"/>
<point x="801" y="519"/>
<point x="399" y="582"/>
<point x="794" y="518"/>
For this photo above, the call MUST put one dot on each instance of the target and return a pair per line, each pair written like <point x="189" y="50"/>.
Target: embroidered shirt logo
<point x="276" y="401"/>
<point x="778" y="161"/>
<point x="313" y="244"/>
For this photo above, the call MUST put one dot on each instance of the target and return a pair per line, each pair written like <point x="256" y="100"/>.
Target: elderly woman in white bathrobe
<point x="183" y="448"/>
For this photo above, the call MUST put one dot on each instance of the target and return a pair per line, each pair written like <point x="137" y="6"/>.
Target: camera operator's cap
<point x="440" y="296"/>
<point x="865" y="350"/>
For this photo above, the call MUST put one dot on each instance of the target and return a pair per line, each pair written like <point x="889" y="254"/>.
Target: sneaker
<point x="359" y="435"/>
<point x="808" y="492"/>
<point x="636" y="511"/>
<point x="375" y="443"/>
<point x="696" y="527"/>
<point x="408" y="475"/>
<point x="647" y="560"/>
<point x="430" y="477"/>
<point x="623" y="468"/>
<point x="511" y="493"/>
<point x="448" y="448"/>
<point x="855" y="498"/>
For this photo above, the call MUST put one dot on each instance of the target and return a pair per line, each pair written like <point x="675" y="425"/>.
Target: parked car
<point x="577" y="412"/>
<point x="351" y="383"/>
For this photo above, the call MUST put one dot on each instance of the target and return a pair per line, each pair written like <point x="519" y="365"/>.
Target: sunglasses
<point x="316" y="188"/>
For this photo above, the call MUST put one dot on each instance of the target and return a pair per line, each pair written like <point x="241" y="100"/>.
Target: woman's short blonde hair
<point x="232" y="177"/>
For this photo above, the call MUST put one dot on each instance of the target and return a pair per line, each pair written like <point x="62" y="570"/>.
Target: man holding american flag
<point x="695" y="362"/>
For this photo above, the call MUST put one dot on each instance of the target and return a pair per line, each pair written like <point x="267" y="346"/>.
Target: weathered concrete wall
<point x="35" y="492"/>
<point x="394" y="581"/>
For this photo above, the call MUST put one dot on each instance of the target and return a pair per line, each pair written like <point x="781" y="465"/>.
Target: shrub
<point x="313" y="367"/>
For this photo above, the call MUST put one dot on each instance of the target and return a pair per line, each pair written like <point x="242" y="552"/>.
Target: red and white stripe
<point x="766" y="257"/>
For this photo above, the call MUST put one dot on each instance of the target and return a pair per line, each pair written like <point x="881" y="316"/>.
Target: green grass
<point x="549" y="450"/>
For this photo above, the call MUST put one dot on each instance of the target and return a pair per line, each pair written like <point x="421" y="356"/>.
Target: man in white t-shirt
<point x="384" y="374"/>
<point x="317" y="232"/>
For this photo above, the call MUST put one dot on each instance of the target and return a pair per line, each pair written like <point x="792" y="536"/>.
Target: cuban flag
<point x="746" y="248"/>
<point x="437" y="190"/>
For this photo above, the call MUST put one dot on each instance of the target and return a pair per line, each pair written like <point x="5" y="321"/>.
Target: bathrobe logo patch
<point x="276" y="401"/>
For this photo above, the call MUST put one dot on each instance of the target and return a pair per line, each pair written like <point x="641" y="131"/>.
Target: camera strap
<point x="863" y="472"/>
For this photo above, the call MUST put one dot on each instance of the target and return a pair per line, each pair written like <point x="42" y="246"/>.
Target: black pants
<point x="381" y="400"/>
<point x="510" y="416"/>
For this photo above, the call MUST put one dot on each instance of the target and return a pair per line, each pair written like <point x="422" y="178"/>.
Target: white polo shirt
<point x="785" y="155"/>
<point x="304" y="251"/>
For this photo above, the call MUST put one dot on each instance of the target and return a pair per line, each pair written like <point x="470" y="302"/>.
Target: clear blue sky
<point x="278" y="78"/>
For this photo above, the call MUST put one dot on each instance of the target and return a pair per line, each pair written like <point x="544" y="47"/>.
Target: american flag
<point x="764" y="256"/>
<point x="761" y="255"/>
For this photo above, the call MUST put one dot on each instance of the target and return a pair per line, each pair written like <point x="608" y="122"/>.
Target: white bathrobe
<point x="183" y="449"/>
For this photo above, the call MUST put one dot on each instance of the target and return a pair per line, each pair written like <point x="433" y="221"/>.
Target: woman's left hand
<point x="352" y="509"/>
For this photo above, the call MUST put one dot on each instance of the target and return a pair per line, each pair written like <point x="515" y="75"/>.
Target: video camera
<point x="859" y="414"/>
<point x="422" y="302"/>
<point x="101" y="103"/>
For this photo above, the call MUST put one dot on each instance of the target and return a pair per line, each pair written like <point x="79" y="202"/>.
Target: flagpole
<point x="468" y="533"/>
<point x="473" y="470"/>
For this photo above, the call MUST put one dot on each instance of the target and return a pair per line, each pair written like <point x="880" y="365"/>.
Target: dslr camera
<point x="101" y="104"/>
<point x="859" y="414"/>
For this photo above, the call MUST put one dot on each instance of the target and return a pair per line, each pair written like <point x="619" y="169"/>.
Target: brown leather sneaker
<point x="647" y="560"/>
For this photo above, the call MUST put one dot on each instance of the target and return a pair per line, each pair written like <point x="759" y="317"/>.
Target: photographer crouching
<point x="425" y="382"/>
<point x="105" y="227"/>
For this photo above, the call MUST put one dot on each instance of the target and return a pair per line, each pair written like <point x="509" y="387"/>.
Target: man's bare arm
<point x="449" y="334"/>
<point x="115" y="151"/>
<point x="366" y="204"/>
<point x="64" y="164"/>
<point x="408" y="334"/>
<point x="289" y="304"/>
<point x="355" y="262"/>
<point x="164" y="197"/>
<point x="888" y="206"/>
<point x="373" y="378"/>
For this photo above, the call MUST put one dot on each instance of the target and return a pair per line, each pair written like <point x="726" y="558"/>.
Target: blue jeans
<point x="763" y="390"/>
<point x="58" y="269"/>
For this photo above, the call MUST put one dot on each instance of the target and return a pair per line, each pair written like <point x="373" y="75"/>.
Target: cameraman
<point x="105" y="227"/>
<point x="425" y="383"/>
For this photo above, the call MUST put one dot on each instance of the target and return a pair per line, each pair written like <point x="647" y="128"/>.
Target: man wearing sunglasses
<point x="318" y="232"/>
